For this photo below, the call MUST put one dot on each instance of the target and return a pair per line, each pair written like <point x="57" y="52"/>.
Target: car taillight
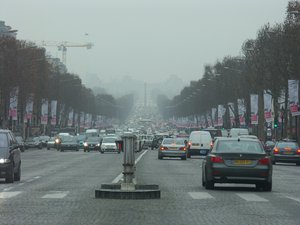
<point x="275" y="150"/>
<point x="163" y="148"/>
<point x="216" y="159"/>
<point x="298" y="152"/>
<point x="183" y="148"/>
<point x="264" y="161"/>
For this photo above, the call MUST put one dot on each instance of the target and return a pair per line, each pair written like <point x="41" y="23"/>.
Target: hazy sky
<point x="148" y="40"/>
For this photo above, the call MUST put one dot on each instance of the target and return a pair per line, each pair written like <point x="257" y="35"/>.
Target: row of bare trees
<point x="26" y="66"/>
<point x="268" y="62"/>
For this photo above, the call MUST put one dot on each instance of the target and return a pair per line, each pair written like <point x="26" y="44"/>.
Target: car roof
<point x="237" y="139"/>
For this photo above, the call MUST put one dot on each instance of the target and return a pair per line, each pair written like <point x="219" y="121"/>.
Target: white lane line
<point x="20" y="184"/>
<point x="252" y="198"/>
<point x="200" y="195"/>
<point x="120" y="176"/>
<point x="9" y="194"/>
<point x="7" y="189"/>
<point x="56" y="194"/>
<point x="295" y="199"/>
<point x="37" y="177"/>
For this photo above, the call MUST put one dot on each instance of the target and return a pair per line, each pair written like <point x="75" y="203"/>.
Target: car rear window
<point x="109" y="140"/>
<point x="287" y="144"/>
<point x="3" y="140"/>
<point x="239" y="146"/>
<point x="177" y="141"/>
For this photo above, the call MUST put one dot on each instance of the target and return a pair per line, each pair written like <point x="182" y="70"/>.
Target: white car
<point x="109" y="145"/>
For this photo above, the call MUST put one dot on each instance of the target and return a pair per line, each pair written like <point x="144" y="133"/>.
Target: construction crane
<point x="62" y="46"/>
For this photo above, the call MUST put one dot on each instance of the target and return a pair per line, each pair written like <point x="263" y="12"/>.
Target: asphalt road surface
<point x="59" y="188"/>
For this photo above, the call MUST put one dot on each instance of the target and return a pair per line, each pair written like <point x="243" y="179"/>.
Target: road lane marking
<point x="200" y="195"/>
<point x="252" y="198"/>
<point x="295" y="199"/>
<point x="120" y="176"/>
<point x="20" y="184"/>
<point x="9" y="194"/>
<point x="56" y="194"/>
<point x="8" y="189"/>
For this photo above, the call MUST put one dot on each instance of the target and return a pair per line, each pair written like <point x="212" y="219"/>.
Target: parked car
<point x="10" y="157"/>
<point x="68" y="142"/>
<point x="173" y="147"/>
<point x="21" y="143"/>
<point x="199" y="143"/>
<point x="237" y="160"/>
<point x="286" y="151"/>
<point x="109" y="145"/>
<point x="92" y="143"/>
<point x="33" y="142"/>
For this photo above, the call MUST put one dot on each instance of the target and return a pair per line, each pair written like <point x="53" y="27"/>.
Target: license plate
<point x="173" y="148"/>
<point x="242" y="162"/>
<point x="288" y="153"/>
<point x="195" y="144"/>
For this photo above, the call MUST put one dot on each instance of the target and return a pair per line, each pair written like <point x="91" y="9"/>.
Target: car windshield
<point x="287" y="145"/>
<point x="92" y="139"/>
<point x="243" y="146"/>
<point x="3" y="140"/>
<point x="176" y="141"/>
<point x="67" y="138"/>
<point x="109" y="140"/>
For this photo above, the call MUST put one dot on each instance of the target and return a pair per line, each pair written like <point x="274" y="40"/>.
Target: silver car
<point x="173" y="147"/>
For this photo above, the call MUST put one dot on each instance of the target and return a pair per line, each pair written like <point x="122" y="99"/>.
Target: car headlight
<point x="85" y="144"/>
<point x="57" y="141"/>
<point x="98" y="145"/>
<point x="2" y="161"/>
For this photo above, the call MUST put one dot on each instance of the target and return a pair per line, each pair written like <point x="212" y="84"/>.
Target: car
<point x="146" y="141"/>
<point x="92" y="143"/>
<point x="237" y="160"/>
<point x="68" y="142"/>
<point x="81" y="138"/>
<point x="21" y="143"/>
<point x="51" y="143"/>
<point x="173" y="147"/>
<point x="109" y="144"/>
<point x="44" y="139"/>
<point x="235" y="132"/>
<point x="10" y="157"/>
<point x="268" y="146"/>
<point x="286" y="151"/>
<point x="33" y="142"/>
<point x="199" y="143"/>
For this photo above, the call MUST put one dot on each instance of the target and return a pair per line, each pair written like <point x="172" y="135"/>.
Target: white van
<point x="199" y="143"/>
<point x="235" y="132"/>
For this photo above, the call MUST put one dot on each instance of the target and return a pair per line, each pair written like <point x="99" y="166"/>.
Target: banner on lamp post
<point x="53" y="112"/>
<point x="213" y="116"/>
<point x="293" y="86"/>
<point x="44" y="112"/>
<point x="13" y="103"/>
<point x="242" y="111"/>
<point x="268" y="107"/>
<point x="254" y="109"/>
<point x="231" y="113"/>
<point x="29" y="107"/>
<point x="70" y="118"/>
<point x="82" y="119"/>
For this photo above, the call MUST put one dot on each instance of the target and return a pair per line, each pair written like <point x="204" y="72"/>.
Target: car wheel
<point x="203" y="181"/>
<point x="48" y="148"/>
<point x="17" y="176"/>
<point x="119" y="152"/>
<point x="183" y="158"/>
<point x="160" y="156"/>
<point x="268" y="186"/>
<point x="298" y="163"/>
<point x="10" y="176"/>
<point x="209" y="185"/>
<point x="102" y="152"/>
<point x="274" y="163"/>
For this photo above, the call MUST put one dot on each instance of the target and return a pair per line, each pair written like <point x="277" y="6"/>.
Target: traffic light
<point x="275" y="123"/>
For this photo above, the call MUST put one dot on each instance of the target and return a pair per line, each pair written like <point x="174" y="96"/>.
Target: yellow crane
<point x="62" y="46"/>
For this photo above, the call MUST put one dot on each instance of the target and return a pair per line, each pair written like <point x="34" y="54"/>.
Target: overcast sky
<point x="148" y="40"/>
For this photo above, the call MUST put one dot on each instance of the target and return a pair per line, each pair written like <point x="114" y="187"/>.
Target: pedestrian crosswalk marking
<point x="7" y="194"/>
<point x="200" y="195"/>
<point x="56" y="194"/>
<point x="252" y="197"/>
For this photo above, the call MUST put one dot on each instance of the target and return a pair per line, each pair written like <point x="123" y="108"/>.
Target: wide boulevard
<point x="59" y="188"/>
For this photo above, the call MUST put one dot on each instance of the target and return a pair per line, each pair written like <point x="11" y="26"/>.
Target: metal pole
<point x="128" y="161"/>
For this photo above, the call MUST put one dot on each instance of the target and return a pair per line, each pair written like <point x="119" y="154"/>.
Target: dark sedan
<point x="286" y="151"/>
<point x="237" y="160"/>
<point x="68" y="143"/>
<point x="92" y="143"/>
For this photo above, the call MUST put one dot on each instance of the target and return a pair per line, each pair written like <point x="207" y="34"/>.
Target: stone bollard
<point x="128" y="161"/>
